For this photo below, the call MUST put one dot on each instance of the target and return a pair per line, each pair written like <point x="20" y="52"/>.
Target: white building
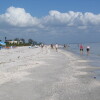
<point x="14" y="42"/>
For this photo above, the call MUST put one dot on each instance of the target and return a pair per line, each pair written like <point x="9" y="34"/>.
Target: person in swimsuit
<point x="81" y="49"/>
<point x="88" y="49"/>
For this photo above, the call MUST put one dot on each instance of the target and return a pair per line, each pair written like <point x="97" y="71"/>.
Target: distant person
<point x="81" y="49"/>
<point x="64" y="45"/>
<point x="88" y="49"/>
<point x="42" y="45"/>
<point x="56" y="46"/>
<point x="51" y="46"/>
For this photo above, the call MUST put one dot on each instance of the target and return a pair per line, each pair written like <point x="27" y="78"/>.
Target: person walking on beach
<point x="51" y="46"/>
<point x="64" y="45"/>
<point x="42" y="45"/>
<point x="81" y="49"/>
<point x="88" y="49"/>
<point x="56" y="46"/>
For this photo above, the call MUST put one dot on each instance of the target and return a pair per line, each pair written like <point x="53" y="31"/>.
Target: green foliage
<point x="20" y="44"/>
<point x="30" y="42"/>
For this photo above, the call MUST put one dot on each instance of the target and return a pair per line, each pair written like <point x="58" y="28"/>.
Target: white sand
<point x="13" y="62"/>
<point x="36" y="74"/>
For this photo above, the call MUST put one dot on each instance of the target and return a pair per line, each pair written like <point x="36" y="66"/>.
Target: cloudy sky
<point x="51" y="21"/>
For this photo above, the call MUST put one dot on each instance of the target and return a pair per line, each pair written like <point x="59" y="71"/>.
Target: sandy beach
<point x="44" y="74"/>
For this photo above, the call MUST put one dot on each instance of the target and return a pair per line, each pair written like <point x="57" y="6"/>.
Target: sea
<point x="93" y="57"/>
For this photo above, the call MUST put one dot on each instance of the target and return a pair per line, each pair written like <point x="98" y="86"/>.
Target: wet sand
<point x="36" y="74"/>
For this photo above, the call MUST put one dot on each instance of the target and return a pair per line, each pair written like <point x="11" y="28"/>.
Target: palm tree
<point x="23" y="40"/>
<point x="5" y="39"/>
<point x="30" y="41"/>
<point x="16" y="39"/>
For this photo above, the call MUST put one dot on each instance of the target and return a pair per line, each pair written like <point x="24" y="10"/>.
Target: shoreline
<point x="92" y="60"/>
<point x="44" y="74"/>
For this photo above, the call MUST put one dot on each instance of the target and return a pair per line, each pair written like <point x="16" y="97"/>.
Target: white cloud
<point x="82" y="27"/>
<point x="55" y="24"/>
<point x="72" y="18"/>
<point x="18" y="17"/>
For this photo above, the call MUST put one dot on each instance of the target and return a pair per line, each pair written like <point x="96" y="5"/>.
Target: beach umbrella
<point x="2" y="43"/>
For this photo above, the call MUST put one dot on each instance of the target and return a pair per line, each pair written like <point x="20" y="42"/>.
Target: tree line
<point x="23" y="42"/>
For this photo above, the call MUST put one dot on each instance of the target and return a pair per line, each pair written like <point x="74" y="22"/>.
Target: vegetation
<point x="21" y="42"/>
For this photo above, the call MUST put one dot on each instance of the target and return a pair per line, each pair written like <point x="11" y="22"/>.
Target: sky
<point x="51" y="21"/>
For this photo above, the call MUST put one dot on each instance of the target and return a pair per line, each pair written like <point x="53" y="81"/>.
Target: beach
<point x="44" y="74"/>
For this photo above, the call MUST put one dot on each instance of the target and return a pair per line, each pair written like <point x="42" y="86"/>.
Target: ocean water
<point x="94" y="48"/>
<point x="93" y="57"/>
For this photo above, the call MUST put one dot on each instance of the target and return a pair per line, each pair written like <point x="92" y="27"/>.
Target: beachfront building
<point x="14" y="42"/>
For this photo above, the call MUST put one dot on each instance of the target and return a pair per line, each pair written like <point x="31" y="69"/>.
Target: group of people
<point x="52" y="46"/>
<point x="82" y="48"/>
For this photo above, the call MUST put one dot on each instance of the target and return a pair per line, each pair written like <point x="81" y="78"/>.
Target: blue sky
<point x="51" y="20"/>
<point x="42" y="7"/>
